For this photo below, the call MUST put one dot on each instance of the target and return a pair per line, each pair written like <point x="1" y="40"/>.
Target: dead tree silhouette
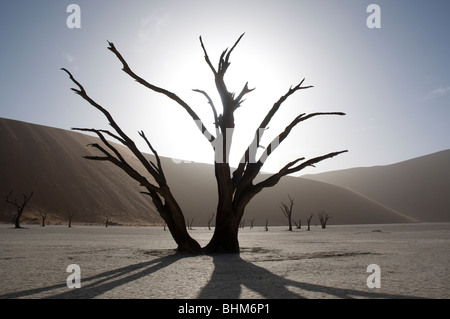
<point x="323" y="218"/>
<point x="43" y="217"/>
<point x="70" y="217"/>
<point x="287" y="211"/>
<point x="210" y="220"/>
<point x="20" y="207"/>
<point x="308" y="220"/>
<point x="236" y="188"/>
<point x="189" y="223"/>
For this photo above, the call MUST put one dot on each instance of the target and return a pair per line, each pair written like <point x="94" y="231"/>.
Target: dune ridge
<point x="417" y="187"/>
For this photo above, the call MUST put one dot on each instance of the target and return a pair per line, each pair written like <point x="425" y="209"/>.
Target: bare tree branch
<point x="229" y="103"/>
<point x="248" y="157"/>
<point x="281" y="137"/>
<point x="239" y="100"/>
<point x="158" y="159"/>
<point x="313" y="161"/>
<point x="208" y="61"/>
<point x="124" y="138"/>
<point x="210" y="102"/>
<point x="224" y="63"/>
<point x="118" y="138"/>
<point x="8" y="200"/>
<point x="105" y="141"/>
<point x="170" y="210"/>
<point x="107" y="156"/>
<point x="123" y="164"/>
<point x="277" y="105"/>
<point x="157" y="89"/>
<point x="289" y="169"/>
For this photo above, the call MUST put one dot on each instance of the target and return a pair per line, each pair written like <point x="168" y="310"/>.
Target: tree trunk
<point x="173" y="216"/>
<point x="225" y="237"/>
<point x="17" y="220"/>
<point x="184" y="241"/>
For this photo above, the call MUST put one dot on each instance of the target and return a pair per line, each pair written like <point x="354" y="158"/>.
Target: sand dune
<point x="417" y="187"/>
<point x="49" y="162"/>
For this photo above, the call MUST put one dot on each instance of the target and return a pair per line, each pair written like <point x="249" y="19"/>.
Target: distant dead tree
<point x="190" y="223"/>
<point x="323" y="218"/>
<point x="267" y="225"/>
<point x="287" y="211"/>
<point x="298" y="224"/>
<point x="20" y="206"/>
<point x="70" y="216"/>
<point x="236" y="187"/>
<point x="106" y="222"/>
<point x="242" y="224"/>
<point x="43" y="217"/>
<point x="252" y="222"/>
<point x="210" y="220"/>
<point x="308" y="220"/>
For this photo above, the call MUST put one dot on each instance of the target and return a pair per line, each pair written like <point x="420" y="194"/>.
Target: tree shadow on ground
<point x="96" y="285"/>
<point x="231" y="273"/>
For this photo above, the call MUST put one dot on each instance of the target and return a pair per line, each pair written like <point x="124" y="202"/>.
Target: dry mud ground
<point x="139" y="262"/>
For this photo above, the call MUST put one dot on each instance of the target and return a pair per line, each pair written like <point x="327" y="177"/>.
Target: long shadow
<point x="96" y="285"/>
<point x="231" y="272"/>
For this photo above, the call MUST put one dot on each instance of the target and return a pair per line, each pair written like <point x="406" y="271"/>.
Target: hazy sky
<point x="393" y="82"/>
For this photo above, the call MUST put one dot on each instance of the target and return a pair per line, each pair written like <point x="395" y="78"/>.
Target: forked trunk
<point x="225" y="237"/>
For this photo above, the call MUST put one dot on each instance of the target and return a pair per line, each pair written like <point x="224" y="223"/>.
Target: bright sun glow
<point x="244" y="68"/>
<point x="181" y="74"/>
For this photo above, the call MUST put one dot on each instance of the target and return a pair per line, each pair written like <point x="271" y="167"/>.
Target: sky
<point x="391" y="80"/>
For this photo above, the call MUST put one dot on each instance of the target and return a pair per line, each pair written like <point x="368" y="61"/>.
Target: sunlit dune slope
<point x="418" y="187"/>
